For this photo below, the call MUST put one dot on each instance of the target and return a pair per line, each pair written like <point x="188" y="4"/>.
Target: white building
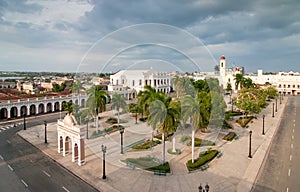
<point x="227" y="75"/>
<point x="131" y="82"/>
<point x="286" y="83"/>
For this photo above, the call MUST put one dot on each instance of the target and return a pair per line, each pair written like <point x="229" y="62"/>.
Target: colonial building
<point x="227" y="75"/>
<point x="286" y="83"/>
<point x="131" y="82"/>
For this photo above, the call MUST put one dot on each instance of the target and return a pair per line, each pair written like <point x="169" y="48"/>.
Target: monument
<point x="71" y="135"/>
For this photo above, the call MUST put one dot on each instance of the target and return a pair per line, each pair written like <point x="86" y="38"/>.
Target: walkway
<point x="234" y="171"/>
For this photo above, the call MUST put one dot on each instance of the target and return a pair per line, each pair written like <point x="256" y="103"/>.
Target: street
<point x="281" y="170"/>
<point x="25" y="168"/>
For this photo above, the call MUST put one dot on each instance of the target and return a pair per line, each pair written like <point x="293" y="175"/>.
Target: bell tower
<point x="222" y="66"/>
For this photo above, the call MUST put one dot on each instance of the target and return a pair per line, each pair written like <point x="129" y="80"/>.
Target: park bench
<point x="204" y="167"/>
<point x="219" y="154"/>
<point x="160" y="172"/>
<point x="131" y="165"/>
<point x="236" y="137"/>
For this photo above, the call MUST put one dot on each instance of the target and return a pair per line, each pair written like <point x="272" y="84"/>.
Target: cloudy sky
<point x="184" y="35"/>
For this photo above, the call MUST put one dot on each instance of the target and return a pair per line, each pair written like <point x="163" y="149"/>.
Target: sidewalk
<point x="234" y="171"/>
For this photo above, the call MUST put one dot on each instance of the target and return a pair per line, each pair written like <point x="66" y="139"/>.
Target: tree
<point x="164" y="115"/>
<point x="239" y="80"/>
<point x="68" y="106"/>
<point x="77" y="86"/>
<point x="190" y="110"/>
<point x="58" y="88"/>
<point x="118" y="102"/>
<point x="146" y="97"/>
<point x="96" y="101"/>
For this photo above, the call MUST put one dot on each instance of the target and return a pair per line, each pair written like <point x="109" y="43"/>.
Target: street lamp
<point x="103" y="147"/>
<point x="263" y="129"/>
<point x="276" y="105"/>
<point x="121" y="134"/>
<point x="45" y="123"/>
<point x="136" y="109"/>
<point x="273" y="110"/>
<point x="250" y="134"/>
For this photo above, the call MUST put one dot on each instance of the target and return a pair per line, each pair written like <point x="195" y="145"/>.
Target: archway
<point x="82" y="102"/>
<point x="23" y="110"/>
<point x="32" y="110"/>
<point x="60" y="144"/>
<point x="75" y="152"/>
<point x="56" y="106"/>
<point x="3" y="113"/>
<point x="67" y="145"/>
<point x="41" y="108"/>
<point x="13" y="112"/>
<point x="49" y="107"/>
<point x="76" y="101"/>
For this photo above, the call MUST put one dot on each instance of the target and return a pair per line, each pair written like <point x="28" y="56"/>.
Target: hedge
<point x="230" y="136"/>
<point x="203" y="159"/>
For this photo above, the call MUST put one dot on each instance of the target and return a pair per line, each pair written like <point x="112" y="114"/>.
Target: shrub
<point x="113" y="120"/>
<point x="149" y="163"/>
<point x="146" y="145"/>
<point x="226" y="125"/>
<point x="230" y="136"/>
<point x="178" y="152"/>
<point x="185" y="139"/>
<point x="143" y="119"/>
<point x="244" y="121"/>
<point x="165" y="167"/>
<point x="200" y="142"/>
<point x="203" y="159"/>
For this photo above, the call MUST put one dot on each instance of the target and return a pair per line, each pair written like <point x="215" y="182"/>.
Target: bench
<point x="219" y="154"/>
<point x="236" y="137"/>
<point x="160" y="172"/>
<point x="131" y="165"/>
<point x="204" y="167"/>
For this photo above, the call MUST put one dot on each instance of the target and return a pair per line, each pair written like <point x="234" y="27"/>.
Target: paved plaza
<point x="233" y="171"/>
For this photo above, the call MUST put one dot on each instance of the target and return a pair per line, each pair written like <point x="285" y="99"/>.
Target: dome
<point x="69" y="120"/>
<point x="222" y="57"/>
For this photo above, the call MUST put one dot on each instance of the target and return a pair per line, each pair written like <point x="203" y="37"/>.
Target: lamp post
<point x="45" y="123"/>
<point x="276" y="105"/>
<point x="263" y="129"/>
<point x="273" y="111"/>
<point x="250" y="134"/>
<point x="280" y="98"/>
<point x="103" y="147"/>
<point x="121" y="134"/>
<point x="24" y="115"/>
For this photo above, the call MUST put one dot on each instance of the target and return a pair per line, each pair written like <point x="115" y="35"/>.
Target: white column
<point x="73" y="152"/>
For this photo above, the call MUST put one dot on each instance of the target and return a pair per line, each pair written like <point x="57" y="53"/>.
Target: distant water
<point x="3" y="78"/>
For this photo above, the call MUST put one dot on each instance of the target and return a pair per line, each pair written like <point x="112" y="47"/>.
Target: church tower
<point x="222" y="66"/>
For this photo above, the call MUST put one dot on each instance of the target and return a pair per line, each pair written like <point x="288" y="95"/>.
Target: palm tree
<point x="239" y="80"/>
<point x="118" y="102"/>
<point x="191" y="110"/>
<point x="96" y="101"/>
<point x="146" y="97"/>
<point x="164" y="115"/>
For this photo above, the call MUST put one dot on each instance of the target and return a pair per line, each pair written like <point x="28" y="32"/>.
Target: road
<point x="25" y="168"/>
<point x="281" y="170"/>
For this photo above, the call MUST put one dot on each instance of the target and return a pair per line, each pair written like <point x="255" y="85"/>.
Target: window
<point x="289" y="86"/>
<point x="123" y="81"/>
<point x="140" y="82"/>
<point x="117" y="82"/>
<point x="294" y="86"/>
<point x="132" y="82"/>
<point x="279" y="85"/>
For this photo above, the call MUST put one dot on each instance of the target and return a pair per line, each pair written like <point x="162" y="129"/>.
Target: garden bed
<point x="200" y="142"/>
<point x="109" y="130"/>
<point x="230" y="136"/>
<point x="149" y="163"/>
<point x="243" y="121"/>
<point x="113" y="120"/>
<point x="145" y="145"/>
<point x="204" y="158"/>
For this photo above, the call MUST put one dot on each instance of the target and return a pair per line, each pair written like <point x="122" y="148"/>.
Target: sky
<point x="183" y="35"/>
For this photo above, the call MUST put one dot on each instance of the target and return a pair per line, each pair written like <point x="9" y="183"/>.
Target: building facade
<point x="131" y="82"/>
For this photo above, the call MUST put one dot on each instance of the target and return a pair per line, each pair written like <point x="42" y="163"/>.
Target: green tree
<point x="96" y="102"/>
<point x="118" y="102"/>
<point x="68" y="106"/>
<point x="239" y="80"/>
<point x="190" y="110"/>
<point x="164" y="115"/>
<point x="145" y="98"/>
